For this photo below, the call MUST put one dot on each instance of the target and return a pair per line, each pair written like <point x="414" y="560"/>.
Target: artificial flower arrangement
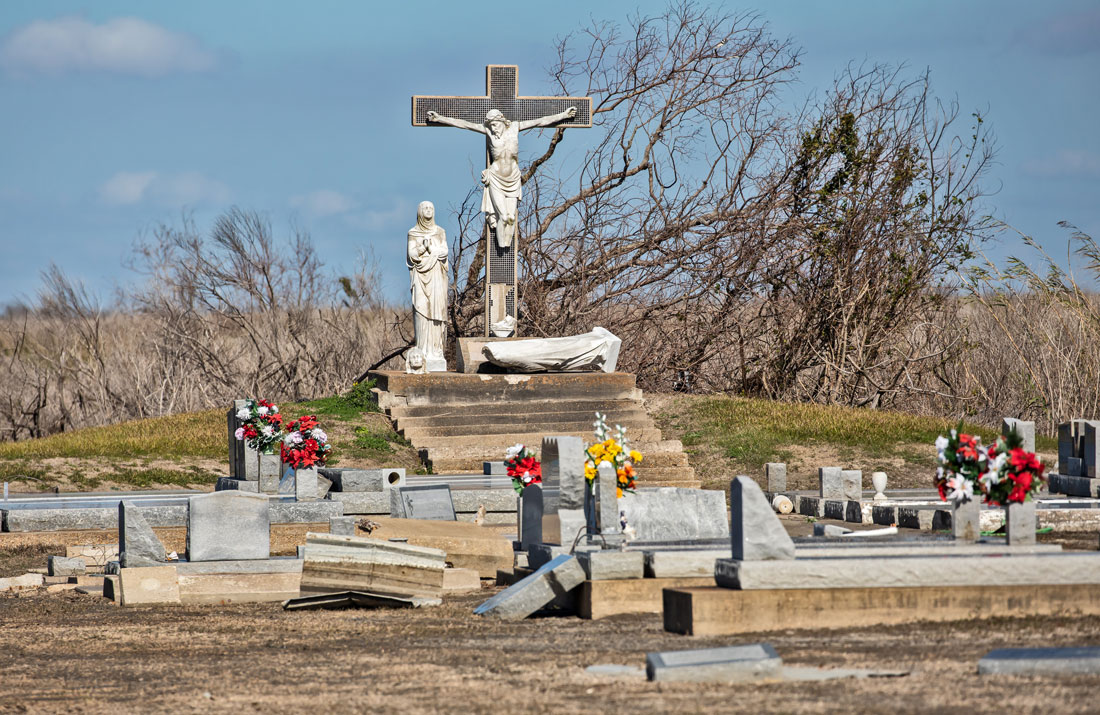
<point x="305" y="445"/>
<point x="1015" y="475"/>
<point x="523" y="467"/>
<point x="261" y="426"/>
<point x="1001" y="474"/>
<point x="613" y="450"/>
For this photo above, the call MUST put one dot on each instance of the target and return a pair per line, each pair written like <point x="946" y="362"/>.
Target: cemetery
<point x="559" y="544"/>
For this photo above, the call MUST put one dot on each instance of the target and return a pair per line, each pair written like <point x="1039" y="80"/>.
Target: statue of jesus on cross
<point x="501" y="178"/>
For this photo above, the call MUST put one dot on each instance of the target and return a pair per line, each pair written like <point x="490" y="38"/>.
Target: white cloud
<point x="169" y="190"/>
<point x="126" y="187"/>
<point x="1066" y="164"/>
<point x="125" y="45"/>
<point x="323" y="202"/>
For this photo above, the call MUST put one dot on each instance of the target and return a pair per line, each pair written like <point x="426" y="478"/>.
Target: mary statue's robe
<point x="427" y="262"/>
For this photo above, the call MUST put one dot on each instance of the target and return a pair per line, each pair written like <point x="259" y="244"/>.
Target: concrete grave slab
<point x="365" y="480"/>
<point x="456" y="581"/>
<point x="62" y="566"/>
<point x="148" y="584"/>
<point x="830" y="484"/>
<point x="731" y="664"/>
<point x="431" y="503"/>
<point x="228" y="525"/>
<point x="608" y="565"/>
<point x="1041" y="661"/>
<point x="352" y="563"/>
<point x="775" y="473"/>
<point x="682" y="564"/>
<point x="556" y="578"/>
<point x="851" y="482"/>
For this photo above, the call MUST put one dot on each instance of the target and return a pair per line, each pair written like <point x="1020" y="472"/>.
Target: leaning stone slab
<point x="755" y="530"/>
<point x="682" y="564"/>
<point x="62" y="566"/>
<point x="610" y="565"/>
<point x="910" y="571"/>
<point x="673" y="514"/>
<point x="1041" y="661"/>
<point x="520" y="600"/>
<point x="225" y="526"/>
<point x="148" y="584"/>
<point x="137" y="544"/>
<point x="731" y="664"/>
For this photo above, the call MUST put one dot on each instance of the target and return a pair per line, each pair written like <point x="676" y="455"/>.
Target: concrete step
<point x="434" y="389"/>
<point x="469" y="459"/>
<point x="589" y="407"/>
<point x="627" y="418"/>
<point x="433" y="434"/>
<point x="494" y="445"/>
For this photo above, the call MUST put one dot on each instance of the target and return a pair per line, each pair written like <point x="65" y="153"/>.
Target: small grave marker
<point x="428" y="502"/>
<point x="732" y="664"/>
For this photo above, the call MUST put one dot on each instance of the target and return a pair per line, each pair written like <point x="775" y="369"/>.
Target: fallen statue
<point x="597" y="350"/>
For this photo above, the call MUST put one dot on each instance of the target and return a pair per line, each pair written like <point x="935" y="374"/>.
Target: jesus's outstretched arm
<point x="451" y="121"/>
<point x="548" y="120"/>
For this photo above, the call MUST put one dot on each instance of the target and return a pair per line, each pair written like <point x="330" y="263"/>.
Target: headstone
<point x="851" y="481"/>
<point x="270" y="464"/>
<point x="966" y="521"/>
<point x="225" y="526"/>
<point x="342" y="526"/>
<point x="138" y="545"/>
<point x="286" y="481"/>
<point x="563" y="468"/>
<point x="1026" y="430"/>
<point x="531" y="518"/>
<point x="305" y="484"/>
<point x="1091" y="450"/>
<point x="776" y="475"/>
<point x="555" y="578"/>
<point x="755" y="531"/>
<point x="427" y="502"/>
<point x="830" y="485"/>
<point x="1069" y="448"/>
<point x="62" y="566"/>
<point x="1084" y="660"/>
<point x="495" y="469"/>
<point x="675" y="514"/>
<point x="730" y="664"/>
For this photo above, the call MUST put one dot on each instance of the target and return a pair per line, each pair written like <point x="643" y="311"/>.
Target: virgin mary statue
<point x="427" y="261"/>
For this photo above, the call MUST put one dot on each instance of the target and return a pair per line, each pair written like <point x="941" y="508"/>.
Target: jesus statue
<point x="502" y="179"/>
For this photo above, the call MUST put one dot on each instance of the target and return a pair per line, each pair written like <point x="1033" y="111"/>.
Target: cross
<point x="500" y="94"/>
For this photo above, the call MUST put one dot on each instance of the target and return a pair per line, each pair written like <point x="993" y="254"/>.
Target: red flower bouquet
<point x="306" y="445"/>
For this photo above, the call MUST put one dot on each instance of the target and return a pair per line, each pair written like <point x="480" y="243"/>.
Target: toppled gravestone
<point x="138" y="545"/>
<point x="555" y="578"/>
<point x="755" y="531"/>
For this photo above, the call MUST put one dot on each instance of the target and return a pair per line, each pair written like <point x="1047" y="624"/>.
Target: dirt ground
<point x="78" y="653"/>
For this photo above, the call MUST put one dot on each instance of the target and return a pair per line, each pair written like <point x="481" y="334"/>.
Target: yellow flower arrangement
<point x="612" y="450"/>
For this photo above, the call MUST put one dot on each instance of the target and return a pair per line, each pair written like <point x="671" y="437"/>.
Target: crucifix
<point x="500" y="116"/>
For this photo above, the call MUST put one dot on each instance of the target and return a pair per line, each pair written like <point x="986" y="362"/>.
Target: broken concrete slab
<point x="137" y="544"/>
<point x="731" y="664"/>
<point x="20" y="583"/>
<point x="148" y="584"/>
<point x="456" y="581"/>
<point x="520" y="600"/>
<point x="352" y="563"/>
<point x="466" y="545"/>
<point x="357" y="599"/>
<point x="1083" y="660"/>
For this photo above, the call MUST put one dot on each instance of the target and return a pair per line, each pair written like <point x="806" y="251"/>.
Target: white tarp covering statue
<point x="427" y="261"/>
<point x="598" y="350"/>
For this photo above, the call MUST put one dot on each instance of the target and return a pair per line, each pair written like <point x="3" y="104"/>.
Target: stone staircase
<point x="457" y="421"/>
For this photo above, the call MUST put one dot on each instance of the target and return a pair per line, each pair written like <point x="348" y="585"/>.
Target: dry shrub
<point x="233" y="314"/>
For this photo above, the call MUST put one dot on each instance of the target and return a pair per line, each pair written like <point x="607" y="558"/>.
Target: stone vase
<point x="966" y="521"/>
<point x="878" y="481"/>
<point x="1020" y="522"/>
<point x="270" y="464"/>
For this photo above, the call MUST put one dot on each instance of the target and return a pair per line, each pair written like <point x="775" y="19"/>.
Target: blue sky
<point x="118" y="116"/>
